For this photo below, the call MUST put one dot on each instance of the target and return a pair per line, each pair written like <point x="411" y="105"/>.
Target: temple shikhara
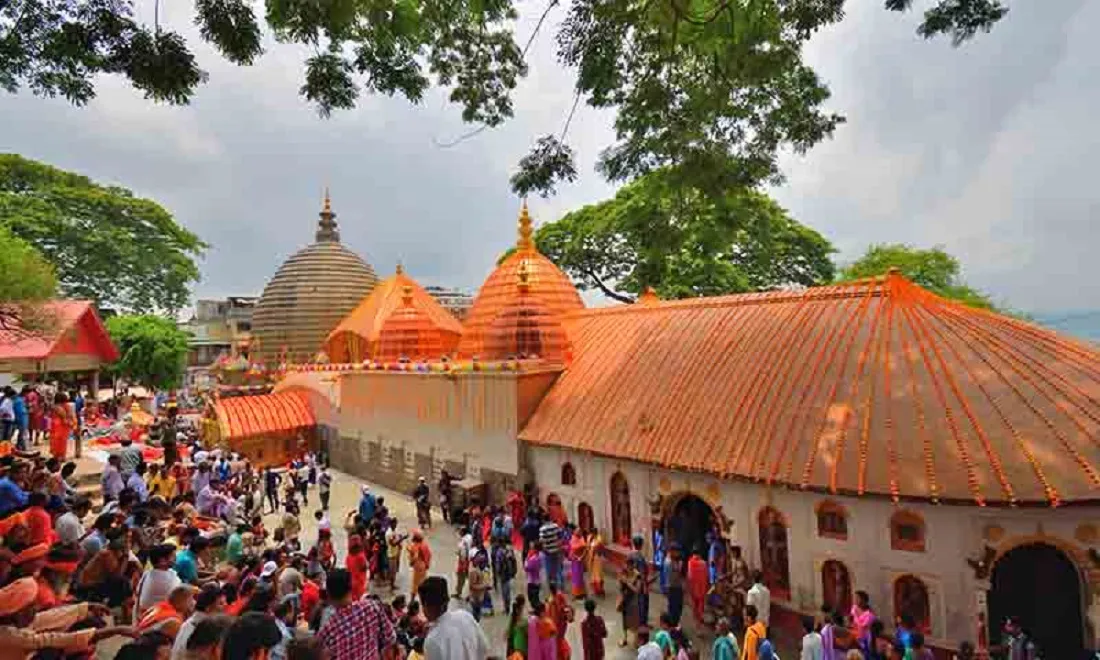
<point x="868" y="435"/>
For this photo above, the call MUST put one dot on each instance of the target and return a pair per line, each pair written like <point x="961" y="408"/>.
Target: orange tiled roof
<point x="248" y="416"/>
<point x="356" y="338"/>
<point x="549" y="285"/>
<point x="877" y="387"/>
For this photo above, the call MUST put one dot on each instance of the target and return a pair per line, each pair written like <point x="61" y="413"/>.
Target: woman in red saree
<point x="560" y="612"/>
<point x="698" y="582"/>
<point x="62" y="423"/>
<point x="356" y="563"/>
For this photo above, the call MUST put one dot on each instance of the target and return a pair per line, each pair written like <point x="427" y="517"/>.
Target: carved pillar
<point x="981" y="619"/>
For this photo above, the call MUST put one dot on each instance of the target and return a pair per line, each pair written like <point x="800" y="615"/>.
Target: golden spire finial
<point x="407" y="295"/>
<point x="326" y="228"/>
<point x="525" y="242"/>
<point x="400" y="268"/>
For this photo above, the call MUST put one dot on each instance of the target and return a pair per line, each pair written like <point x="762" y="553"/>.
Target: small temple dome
<point x="410" y="334"/>
<point x="358" y="336"/>
<point x="548" y="285"/>
<point x="310" y="293"/>
<point x="525" y="328"/>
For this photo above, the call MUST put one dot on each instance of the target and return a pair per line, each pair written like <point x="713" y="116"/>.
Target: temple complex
<point x="868" y="435"/>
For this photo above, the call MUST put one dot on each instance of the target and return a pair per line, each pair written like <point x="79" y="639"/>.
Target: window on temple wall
<point x="586" y="519"/>
<point x="832" y="521"/>
<point x="774" y="557"/>
<point x="911" y="601"/>
<point x="568" y="475"/>
<point x="836" y="586"/>
<point x="907" y="532"/>
<point x="620" y="509"/>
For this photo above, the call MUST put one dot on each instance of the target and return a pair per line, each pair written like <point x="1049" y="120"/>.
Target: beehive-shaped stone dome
<point x="310" y="294"/>
<point x="547" y="285"/>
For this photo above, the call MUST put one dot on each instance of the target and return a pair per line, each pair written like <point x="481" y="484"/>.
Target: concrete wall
<point x="395" y="426"/>
<point x="953" y="534"/>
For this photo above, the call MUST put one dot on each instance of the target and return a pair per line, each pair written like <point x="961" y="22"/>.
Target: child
<point x="417" y="652"/>
<point x="593" y="632"/>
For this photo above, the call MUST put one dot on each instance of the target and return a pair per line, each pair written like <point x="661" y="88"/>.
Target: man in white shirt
<point x="69" y="526"/>
<point x="209" y="602"/>
<point x="812" y="648"/>
<point x="760" y="597"/>
<point x="158" y="581"/>
<point x="454" y="634"/>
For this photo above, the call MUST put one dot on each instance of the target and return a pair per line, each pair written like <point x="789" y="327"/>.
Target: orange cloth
<point x="756" y="632"/>
<point x="12" y="521"/>
<point x="159" y="613"/>
<point x="40" y="525"/>
<point x="356" y="563"/>
<point x="698" y="582"/>
<point x="18" y="595"/>
<point x="61" y="428"/>
<point x="37" y="551"/>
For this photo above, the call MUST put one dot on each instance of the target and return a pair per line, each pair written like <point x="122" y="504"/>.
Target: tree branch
<point x="606" y="290"/>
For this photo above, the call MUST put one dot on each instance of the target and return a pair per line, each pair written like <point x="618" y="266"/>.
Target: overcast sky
<point x="987" y="150"/>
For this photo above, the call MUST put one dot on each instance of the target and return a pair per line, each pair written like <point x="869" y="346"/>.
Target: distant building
<point x="216" y="327"/>
<point x="455" y="301"/>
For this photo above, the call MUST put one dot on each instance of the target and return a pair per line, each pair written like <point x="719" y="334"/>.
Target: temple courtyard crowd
<point x="215" y="559"/>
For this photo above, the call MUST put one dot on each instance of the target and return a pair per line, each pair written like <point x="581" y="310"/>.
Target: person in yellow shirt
<point x="755" y="632"/>
<point x="160" y="482"/>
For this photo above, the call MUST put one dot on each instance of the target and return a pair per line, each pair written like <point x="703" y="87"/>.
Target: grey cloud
<point x="985" y="149"/>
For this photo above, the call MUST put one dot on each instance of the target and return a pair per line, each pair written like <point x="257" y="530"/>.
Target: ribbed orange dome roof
<point x="357" y="337"/>
<point x="549" y="286"/>
<point x="409" y="333"/>
<point x="525" y="328"/>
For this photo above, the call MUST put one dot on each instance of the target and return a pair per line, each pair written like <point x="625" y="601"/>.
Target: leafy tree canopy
<point x="153" y="350"/>
<point x="713" y="87"/>
<point x="104" y="243"/>
<point x="933" y="269"/>
<point x="29" y="280"/>
<point x="658" y="232"/>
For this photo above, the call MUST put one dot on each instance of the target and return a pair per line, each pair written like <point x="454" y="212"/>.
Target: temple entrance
<point x="1041" y="586"/>
<point x="836" y="586"/>
<point x="687" y="520"/>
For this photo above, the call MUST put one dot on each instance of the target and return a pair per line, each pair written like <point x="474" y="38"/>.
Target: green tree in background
<point x="104" y="243"/>
<point x="153" y="350"/>
<point x="932" y="269"/>
<point x="657" y="232"/>
<point x="28" y="281"/>
<point x="716" y="88"/>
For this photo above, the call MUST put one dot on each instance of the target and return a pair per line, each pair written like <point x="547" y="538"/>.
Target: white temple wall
<point x="953" y="534"/>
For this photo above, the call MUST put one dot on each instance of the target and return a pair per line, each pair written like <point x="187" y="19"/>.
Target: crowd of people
<point x="177" y="559"/>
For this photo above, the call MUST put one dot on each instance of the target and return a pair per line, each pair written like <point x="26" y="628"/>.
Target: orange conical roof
<point x="549" y="286"/>
<point x="357" y="336"/>
<point x="525" y="328"/>
<point x="409" y="333"/>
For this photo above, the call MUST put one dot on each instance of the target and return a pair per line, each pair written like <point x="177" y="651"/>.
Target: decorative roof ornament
<point x="526" y="240"/>
<point x="523" y="277"/>
<point x="400" y="269"/>
<point x="407" y="295"/>
<point x="326" y="228"/>
<point x="648" y="297"/>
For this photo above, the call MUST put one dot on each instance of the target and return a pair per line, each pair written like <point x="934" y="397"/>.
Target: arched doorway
<point x="620" y="510"/>
<point x="687" y="520"/>
<point x="774" y="555"/>
<point x="836" y="586"/>
<point x="1038" y="583"/>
